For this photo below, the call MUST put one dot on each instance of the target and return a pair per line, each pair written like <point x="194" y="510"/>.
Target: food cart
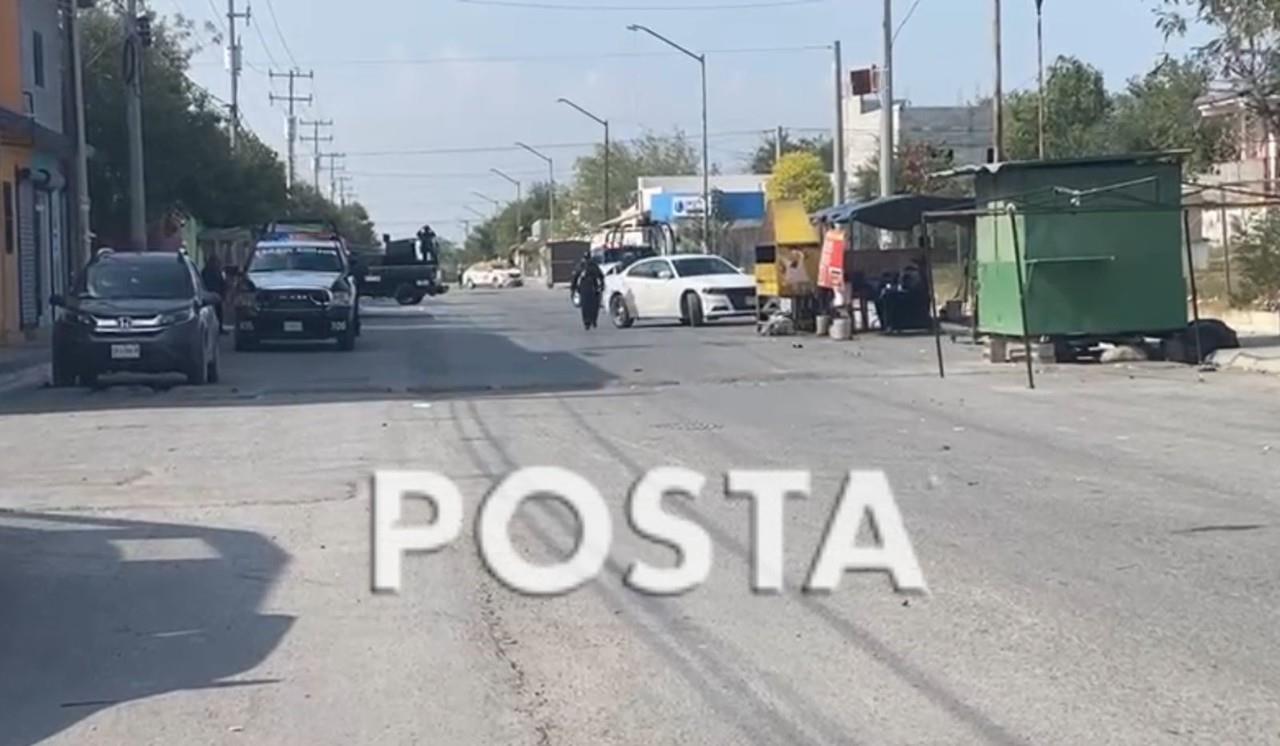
<point x="787" y="262"/>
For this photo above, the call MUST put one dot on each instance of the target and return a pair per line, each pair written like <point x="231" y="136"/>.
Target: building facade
<point x="35" y="162"/>
<point x="963" y="132"/>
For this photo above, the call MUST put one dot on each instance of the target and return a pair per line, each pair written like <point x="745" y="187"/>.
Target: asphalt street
<point x="182" y="565"/>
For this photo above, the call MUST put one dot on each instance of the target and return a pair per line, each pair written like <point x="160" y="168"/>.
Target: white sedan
<point x="690" y="287"/>
<point x="495" y="277"/>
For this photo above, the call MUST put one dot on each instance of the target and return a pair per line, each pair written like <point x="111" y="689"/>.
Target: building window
<point x="37" y="57"/>
<point x="6" y="196"/>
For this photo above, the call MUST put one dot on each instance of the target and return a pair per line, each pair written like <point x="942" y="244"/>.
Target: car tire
<point x="198" y="371"/>
<point x="619" y="313"/>
<point x="408" y="295"/>
<point x="691" y="305"/>
<point x="245" y="342"/>
<point x="213" y="370"/>
<point x="347" y="341"/>
<point x="62" y="374"/>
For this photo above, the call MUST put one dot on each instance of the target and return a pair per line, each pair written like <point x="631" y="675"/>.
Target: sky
<point x="399" y="77"/>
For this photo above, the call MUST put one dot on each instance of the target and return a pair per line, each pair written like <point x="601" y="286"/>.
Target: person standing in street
<point x="588" y="283"/>
<point x="215" y="282"/>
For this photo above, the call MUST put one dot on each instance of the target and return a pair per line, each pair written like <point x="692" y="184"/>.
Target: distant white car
<point x="693" y="288"/>
<point x="481" y="275"/>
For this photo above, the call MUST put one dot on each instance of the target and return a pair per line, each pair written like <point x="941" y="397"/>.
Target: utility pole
<point x="133" y="65"/>
<point x="343" y="181"/>
<point x="316" y="139"/>
<point x="234" y="63"/>
<point x="997" y="98"/>
<point x="519" y="204"/>
<point x="85" y="236"/>
<point x="551" y="195"/>
<point x="886" y="106"/>
<point x="837" y="143"/>
<point x="777" y="145"/>
<point x="333" y="172"/>
<point x="291" y="124"/>
<point x="1040" y="68"/>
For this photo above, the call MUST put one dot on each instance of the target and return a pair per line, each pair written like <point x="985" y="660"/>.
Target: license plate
<point x="373" y="278"/>
<point x="424" y="283"/>
<point x="126" y="352"/>
<point x="293" y="326"/>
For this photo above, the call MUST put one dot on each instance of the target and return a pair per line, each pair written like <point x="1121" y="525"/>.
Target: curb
<point x="1243" y="359"/>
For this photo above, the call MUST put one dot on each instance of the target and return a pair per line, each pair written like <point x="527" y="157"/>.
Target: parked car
<point x="493" y="276"/>
<point x="136" y="312"/>
<point x="297" y="290"/>
<point x="693" y="288"/>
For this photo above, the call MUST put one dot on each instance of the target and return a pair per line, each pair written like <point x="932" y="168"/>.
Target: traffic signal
<point x="144" y="29"/>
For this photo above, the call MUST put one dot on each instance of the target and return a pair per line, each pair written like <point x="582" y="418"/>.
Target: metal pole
<point x="551" y="181"/>
<point x="82" y="147"/>
<point x="606" y="170"/>
<point x="233" y="63"/>
<point x="886" y="106"/>
<point x="838" y="142"/>
<point x="777" y="146"/>
<point x="292" y="121"/>
<point x="133" y="117"/>
<point x="997" y="98"/>
<point x="1226" y="243"/>
<point x="933" y="299"/>
<point x="1040" y="62"/>
<point x="1022" y="297"/>
<point x="1195" y="292"/>
<point x="706" y="164"/>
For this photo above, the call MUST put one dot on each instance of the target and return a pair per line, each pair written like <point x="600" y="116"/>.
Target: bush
<point x="1258" y="255"/>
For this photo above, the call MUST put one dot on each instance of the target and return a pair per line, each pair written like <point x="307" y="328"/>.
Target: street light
<point x="706" y="150"/>
<point x="1040" y="66"/>
<point x="496" y="204"/>
<point x="519" y="206"/>
<point x="551" y="196"/>
<point x="605" y="123"/>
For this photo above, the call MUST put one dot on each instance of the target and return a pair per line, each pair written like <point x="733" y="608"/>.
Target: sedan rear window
<point x="120" y="280"/>
<point x="704" y="265"/>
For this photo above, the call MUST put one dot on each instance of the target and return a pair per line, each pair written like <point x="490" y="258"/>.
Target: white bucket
<point x="822" y="324"/>
<point x="842" y="329"/>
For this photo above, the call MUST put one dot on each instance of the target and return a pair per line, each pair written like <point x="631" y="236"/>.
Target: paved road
<point x="192" y="566"/>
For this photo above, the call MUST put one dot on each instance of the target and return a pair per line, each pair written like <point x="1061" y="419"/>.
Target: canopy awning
<point x="900" y="212"/>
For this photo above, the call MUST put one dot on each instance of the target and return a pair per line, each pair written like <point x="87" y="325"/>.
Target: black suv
<point x="136" y="312"/>
<point x="297" y="290"/>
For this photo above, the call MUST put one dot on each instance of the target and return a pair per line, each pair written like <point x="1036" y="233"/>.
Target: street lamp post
<point x="551" y="195"/>
<point x="605" y="124"/>
<point x="706" y="149"/>
<point x="496" y="204"/>
<point x="519" y="205"/>
<point x="1040" y="67"/>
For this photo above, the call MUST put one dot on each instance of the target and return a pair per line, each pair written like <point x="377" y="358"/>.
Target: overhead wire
<point x="536" y="5"/>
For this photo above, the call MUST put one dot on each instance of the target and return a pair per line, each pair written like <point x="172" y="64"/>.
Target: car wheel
<point x="407" y="295"/>
<point x="468" y="283"/>
<point x="63" y="376"/>
<point x="619" y="312"/>
<point x="691" y="304"/>
<point x="347" y="341"/>
<point x="198" y="371"/>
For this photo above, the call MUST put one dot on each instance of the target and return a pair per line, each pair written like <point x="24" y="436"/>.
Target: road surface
<point x="184" y="565"/>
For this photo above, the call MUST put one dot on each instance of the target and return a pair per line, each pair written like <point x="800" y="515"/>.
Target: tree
<point x="1158" y="112"/>
<point x="651" y="155"/>
<point x="1258" y="254"/>
<point x="189" y="161"/>
<point x="352" y="219"/>
<point x="762" y="160"/>
<point x="800" y="176"/>
<point x="1077" y="108"/>
<point x="914" y="167"/>
<point x="1242" y="50"/>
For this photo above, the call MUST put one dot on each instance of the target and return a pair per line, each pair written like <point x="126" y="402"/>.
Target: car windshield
<point x="704" y="265"/>
<point x="301" y="258"/>
<point x="117" y="279"/>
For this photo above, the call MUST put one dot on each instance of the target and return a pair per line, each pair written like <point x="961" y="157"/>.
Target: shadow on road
<point x="98" y="612"/>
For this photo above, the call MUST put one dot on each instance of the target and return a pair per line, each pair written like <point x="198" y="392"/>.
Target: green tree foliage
<point x="800" y="176"/>
<point x="651" y="155"/>
<point x="762" y="160"/>
<point x="352" y="219"/>
<point x="1258" y="255"/>
<point x="1242" y="49"/>
<point x="188" y="155"/>
<point x="1158" y="112"/>
<point x="914" y="169"/>
<point x="1077" y="108"/>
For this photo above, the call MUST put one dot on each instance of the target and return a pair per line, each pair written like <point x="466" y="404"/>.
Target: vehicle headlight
<point x="715" y="291"/>
<point x="80" y="318"/>
<point x="177" y="317"/>
<point x="340" y="297"/>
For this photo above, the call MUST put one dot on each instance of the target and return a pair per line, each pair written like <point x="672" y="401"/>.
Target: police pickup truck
<point x="299" y="284"/>
<point x="407" y="270"/>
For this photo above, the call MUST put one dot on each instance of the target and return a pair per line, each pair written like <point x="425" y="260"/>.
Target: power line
<point x="663" y="8"/>
<point x="270" y="57"/>
<point x="907" y="17"/>
<point x="549" y="146"/>
<point x="271" y="10"/>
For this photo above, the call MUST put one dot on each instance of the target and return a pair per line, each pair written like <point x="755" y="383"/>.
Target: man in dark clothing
<point x="588" y="283"/>
<point x="215" y="282"/>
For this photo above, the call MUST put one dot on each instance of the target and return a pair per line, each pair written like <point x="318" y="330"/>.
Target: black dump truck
<point x="405" y="269"/>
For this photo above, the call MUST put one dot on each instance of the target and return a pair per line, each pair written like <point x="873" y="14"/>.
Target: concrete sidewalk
<point x="1257" y="353"/>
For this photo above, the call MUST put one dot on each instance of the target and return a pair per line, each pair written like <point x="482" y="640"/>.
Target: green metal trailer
<point x="1099" y="242"/>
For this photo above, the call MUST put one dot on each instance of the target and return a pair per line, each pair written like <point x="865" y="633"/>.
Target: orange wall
<point x="10" y="56"/>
